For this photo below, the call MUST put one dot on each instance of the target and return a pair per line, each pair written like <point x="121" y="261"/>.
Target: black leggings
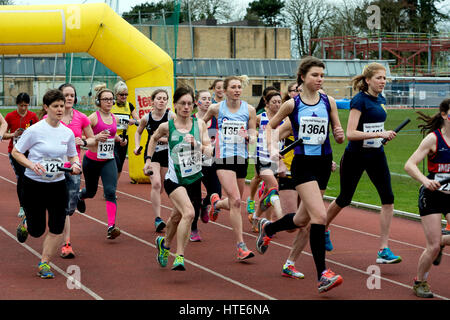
<point x="120" y="153"/>
<point x="353" y="164"/>
<point x="92" y="171"/>
<point x="40" y="197"/>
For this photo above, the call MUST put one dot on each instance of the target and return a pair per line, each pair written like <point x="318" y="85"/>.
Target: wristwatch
<point x="147" y="157"/>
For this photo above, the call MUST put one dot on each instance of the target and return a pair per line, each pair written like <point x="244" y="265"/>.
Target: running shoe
<point x="262" y="242"/>
<point x="255" y="227"/>
<point x="159" y="224"/>
<point x="204" y="214"/>
<point x="438" y="259"/>
<point x="213" y="212"/>
<point x="328" y="244"/>
<point x="67" y="251"/>
<point x="44" y="271"/>
<point x="328" y="281"/>
<point x="195" y="236"/>
<point x="291" y="272"/>
<point x="163" y="254"/>
<point x="244" y="253"/>
<point x="261" y="189"/>
<point x="422" y="289"/>
<point x="266" y="201"/>
<point x="21" y="213"/>
<point x="178" y="263"/>
<point x="386" y="256"/>
<point x="81" y="204"/>
<point x="250" y="206"/>
<point x="113" y="232"/>
<point x="445" y="231"/>
<point x="22" y="232"/>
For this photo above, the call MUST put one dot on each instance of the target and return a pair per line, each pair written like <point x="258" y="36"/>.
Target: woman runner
<point x="236" y="129"/>
<point x="434" y="198"/>
<point x="49" y="143"/>
<point x="188" y="139"/>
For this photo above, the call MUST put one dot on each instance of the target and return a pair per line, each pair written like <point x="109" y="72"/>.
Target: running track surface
<point x="126" y="268"/>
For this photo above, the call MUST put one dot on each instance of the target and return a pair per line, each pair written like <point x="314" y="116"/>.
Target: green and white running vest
<point x="185" y="162"/>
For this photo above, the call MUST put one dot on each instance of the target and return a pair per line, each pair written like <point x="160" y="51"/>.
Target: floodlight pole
<point x="192" y="46"/>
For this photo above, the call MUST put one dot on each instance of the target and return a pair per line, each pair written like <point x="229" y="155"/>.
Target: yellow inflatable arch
<point x="99" y="31"/>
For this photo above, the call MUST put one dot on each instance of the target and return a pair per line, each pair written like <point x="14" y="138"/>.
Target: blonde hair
<point x="244" y="79"/>
<point x="99" y="91"/>
<point x="120" y="87"/>
<point x="359" y="82"/>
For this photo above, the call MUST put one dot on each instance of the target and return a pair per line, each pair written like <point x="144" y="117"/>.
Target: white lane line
<point x="237" y="283"/>
<point x="75" y="282"/>
<point x="274" y="242"/>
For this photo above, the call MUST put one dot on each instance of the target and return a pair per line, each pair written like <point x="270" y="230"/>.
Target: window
<point x="277" y="85"/>
<point x="257" y="90"/>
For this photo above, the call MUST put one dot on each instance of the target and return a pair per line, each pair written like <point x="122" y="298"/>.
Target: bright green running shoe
<point x="178" y="263"/>
<point x="22" y="232"/>
<point x="44" y="271"/>
<point x="250" y="206"/>
<point x="163" y="254"/>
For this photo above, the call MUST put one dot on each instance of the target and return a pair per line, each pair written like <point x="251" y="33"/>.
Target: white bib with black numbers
<point x="52" y="166"/>
<point x="190" y="162"/>
<point x="231" y="131"/>
<point x="313" y="130"/>
<point x="122" y="121"/>
<point x="373" y="127"/>
<point x="441" y="176"/>
<point x="105" y="150"/>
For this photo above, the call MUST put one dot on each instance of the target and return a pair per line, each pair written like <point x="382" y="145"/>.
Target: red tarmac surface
<point x="126" y="268"/>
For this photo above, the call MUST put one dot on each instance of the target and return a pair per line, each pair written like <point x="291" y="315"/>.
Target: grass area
<point x="397" y="152"/>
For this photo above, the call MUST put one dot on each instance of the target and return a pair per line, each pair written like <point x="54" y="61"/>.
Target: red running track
<point x="126" y="268"/>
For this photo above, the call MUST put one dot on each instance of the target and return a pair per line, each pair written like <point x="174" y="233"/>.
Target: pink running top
<point x="99" y="127"/>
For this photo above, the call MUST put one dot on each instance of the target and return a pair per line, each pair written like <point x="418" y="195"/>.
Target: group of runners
<point x="215" y="146"/>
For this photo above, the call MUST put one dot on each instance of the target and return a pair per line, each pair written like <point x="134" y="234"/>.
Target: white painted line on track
<point x="55" y="267"/>
<point x="273" y="242"/>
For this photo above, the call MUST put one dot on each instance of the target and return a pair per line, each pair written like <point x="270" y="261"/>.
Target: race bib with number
<point x="233" y="131"/>
<point x="373" y="127"/>
<point x="105" y="150"/>
<point x="190" y="163"/>
<point x="122" y="121"/>
<point x="52" y="168"/>
<point x="441" y="176"/>
<point x="313" y="130"/>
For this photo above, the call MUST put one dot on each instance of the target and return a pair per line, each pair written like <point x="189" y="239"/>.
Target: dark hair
<point x="181" y="91"/>
<point x="286" y="96"/>
<point x="155" y="93"/>
<point x="213" y="85"/>
<point x="51" y="96"/>
<point x="23" y="97"/>
<point x="271" y="94"/>
<point x="433" y="122"/>
<point x="68" y="85"/>
<point x="262" y="103"/>
<point x="305" y="64"/>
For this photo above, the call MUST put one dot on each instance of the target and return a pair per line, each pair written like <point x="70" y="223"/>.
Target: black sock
<point x="285" y="223"/>
<point x="317" y="243"/>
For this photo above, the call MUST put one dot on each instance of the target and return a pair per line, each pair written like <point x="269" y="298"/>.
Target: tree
<point x="424" y="16"/>
<point x="308" y="20"/>
<point x="268" y="11"/>
<point x="6" y="2"/>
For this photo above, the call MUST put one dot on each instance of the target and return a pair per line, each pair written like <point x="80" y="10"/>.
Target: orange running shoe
<point x="67" y="251"/>
<point x="329" y="280"/>
<point x="213" y="212"/>
<point x="244" y="253"/>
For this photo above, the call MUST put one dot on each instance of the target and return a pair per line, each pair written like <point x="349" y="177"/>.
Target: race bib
<point x="161" y="146"/>
<point x="190" y="162"/>
<point x="234" y="131"/>
<point x="313" y="130"/>
<point x="373" y="127"/>
<point x="122" y="121"/>
<point x="441" y="176"/>
<point x="51" y="166"/>
<point x="105" y="150"/>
